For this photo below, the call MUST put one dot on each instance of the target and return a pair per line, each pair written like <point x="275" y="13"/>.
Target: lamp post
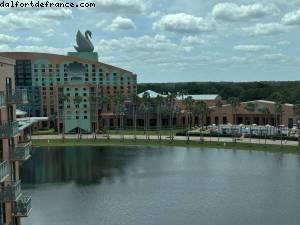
<point x="298" y="123"/>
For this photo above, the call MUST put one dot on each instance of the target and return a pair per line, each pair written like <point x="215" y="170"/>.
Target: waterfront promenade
<point x="164" y="137"/>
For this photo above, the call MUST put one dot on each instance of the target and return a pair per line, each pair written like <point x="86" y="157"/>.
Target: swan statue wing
<point x="83" y="43"/>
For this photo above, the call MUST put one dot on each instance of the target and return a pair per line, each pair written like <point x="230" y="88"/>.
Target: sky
<point x="170" y="40"/>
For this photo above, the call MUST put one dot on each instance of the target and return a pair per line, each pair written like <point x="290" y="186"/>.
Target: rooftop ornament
<point x="84" y="43"/>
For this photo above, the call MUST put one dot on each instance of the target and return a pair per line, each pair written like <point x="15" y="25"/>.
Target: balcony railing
<point x="17" y="97"/>
<point x="8" y="130"/>
<point x="21" y="151"/>
<point x="2" y="102"/>
<point x="22" y="207"/>
<point x="3" y="170"/>
<point x="10" y="192"/>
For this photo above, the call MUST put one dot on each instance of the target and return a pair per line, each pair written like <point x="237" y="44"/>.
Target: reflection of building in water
<point x="81" y="165"/>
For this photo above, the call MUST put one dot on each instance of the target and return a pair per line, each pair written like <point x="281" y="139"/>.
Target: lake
<point x="161" y="186"/>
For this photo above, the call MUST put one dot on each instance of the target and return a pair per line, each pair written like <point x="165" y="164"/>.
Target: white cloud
<point x="54" y="14"/>
<point x="121" y="23"/>
<point x="101" y="23"/>
<point x="291" y="18"/>
<point x="233" y="12"/>
<point x="252" y="48"/>
<point x="155" y="14"/>
<point x="144" y="43"/>
<point x="34" y="39"/>
<point x="265" y="29"/>
<point x="192" y="40"/>
<point x="183" y="23"/>
<point x="33" y="48"/>
<point x="29" y="20"/>
<point x="121" y="6"/>
<point x="48" y="33"/>
<point x="6" y="39"/>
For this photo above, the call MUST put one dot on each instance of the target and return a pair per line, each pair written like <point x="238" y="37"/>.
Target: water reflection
<point x="161" y="186"/>
<point x="84" y="166"/>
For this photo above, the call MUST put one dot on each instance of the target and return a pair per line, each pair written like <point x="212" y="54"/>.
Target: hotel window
<point x="85" y="117"/>
<point x="86" y="79"/>
<point x="77" y="117"/>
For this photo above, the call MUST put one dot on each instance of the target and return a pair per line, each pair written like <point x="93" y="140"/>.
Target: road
<point x="155" y="137"/>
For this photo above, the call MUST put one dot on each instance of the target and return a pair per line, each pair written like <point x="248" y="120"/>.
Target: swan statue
<point x="84" y="43"/>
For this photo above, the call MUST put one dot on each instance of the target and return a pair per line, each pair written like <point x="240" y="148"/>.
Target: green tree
<point x="64" y="99"/>
<point x="296" y="110"/>
<point x="219" y="106"/>
<point x="119" y="100"/>
<point x="189" y="104"/>
<point x="77" y="100"/>
<point x="171" y="100"/>
<point x="235" y="104"/>
<point x="159" y="101"/>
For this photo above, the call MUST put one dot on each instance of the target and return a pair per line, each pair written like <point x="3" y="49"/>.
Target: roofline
<point x="66" y="56"/>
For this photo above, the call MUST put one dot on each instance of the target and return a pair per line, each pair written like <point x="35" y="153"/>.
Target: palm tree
<point x="250" y="107"/>
<point x="64" y="99"/>
<point x="77" y="100"/>
<point x="171" y="99"/>
<point x="189" y="103"/>
<point x="267" y="113"/>
<point x="93" y="103"/>
<point x="235" y="103"/>
<point x="102" y="101"/>
<point x="219" y="106"/>
<point x="201" y="109"/>
<point x="146" y="101"/>
<point x="159" y="103"/>
<point x="296" y="110"/>
<point x="119" y="101"/>
<point x="279" y="114"/>
<point x="135" y="102"/>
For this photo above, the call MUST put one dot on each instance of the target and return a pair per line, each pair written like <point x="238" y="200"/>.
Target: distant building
<point x="14" y="148"/>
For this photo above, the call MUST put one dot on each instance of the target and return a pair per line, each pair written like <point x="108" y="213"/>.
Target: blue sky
<point x="170" y="41"/>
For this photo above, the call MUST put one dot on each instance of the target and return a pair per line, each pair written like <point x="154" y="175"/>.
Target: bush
<point x="275" y="137"/>
<point x="213" y="134"/>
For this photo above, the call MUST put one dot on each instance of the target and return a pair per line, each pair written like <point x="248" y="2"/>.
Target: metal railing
<point x="10" y="192"/>
<point x="18" y="96"/>
<point x="3" y="170"/>
<point x="9" y="129"/>
<point x="21" y="151"/>
<point x="22" y="207"/>
<point x="2" y="102"/>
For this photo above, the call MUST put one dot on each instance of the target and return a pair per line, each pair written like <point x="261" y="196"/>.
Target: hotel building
<point x="61" y="87"/>
<point x="14" y="148"/>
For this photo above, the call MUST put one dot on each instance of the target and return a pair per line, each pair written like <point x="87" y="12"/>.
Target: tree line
<point x="244" y="91"/>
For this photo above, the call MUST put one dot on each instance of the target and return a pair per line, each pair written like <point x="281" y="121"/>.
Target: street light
<point x="298" y="123"/>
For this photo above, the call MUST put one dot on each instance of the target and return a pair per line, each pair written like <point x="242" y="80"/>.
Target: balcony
<point x="17" y="97"/>
<point x="3" y="170"/>
<point x="8" y="130"/>
<point x="21" y="151"/>
<point x="2" y="102"/>
<point x="10" y="192"/>
<point x="22" y="207"/>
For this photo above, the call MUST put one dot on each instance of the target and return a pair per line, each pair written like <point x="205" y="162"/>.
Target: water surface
<point x="161" y="186"/>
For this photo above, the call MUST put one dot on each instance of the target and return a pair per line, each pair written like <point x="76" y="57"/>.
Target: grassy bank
<point x="237" y="146"/>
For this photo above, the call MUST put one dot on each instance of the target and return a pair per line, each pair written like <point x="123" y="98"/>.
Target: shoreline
<point x="286" y="149"/>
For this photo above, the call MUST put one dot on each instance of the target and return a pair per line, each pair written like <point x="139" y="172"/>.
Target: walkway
<point x="155" y="137"/>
